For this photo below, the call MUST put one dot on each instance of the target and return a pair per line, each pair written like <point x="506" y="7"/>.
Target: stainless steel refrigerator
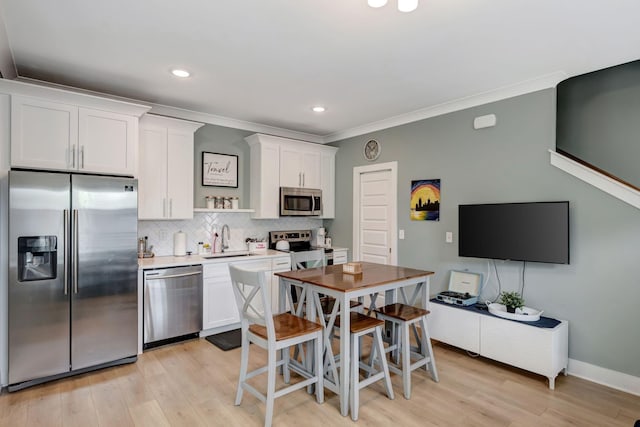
<point x="72" y="274"/>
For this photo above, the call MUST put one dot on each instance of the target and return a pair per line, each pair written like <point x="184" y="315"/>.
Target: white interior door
<point x="375" y="213"/>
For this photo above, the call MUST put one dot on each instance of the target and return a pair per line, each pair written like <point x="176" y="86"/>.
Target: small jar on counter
<point x="227" y="203"/>
<point x="235" y="203"/>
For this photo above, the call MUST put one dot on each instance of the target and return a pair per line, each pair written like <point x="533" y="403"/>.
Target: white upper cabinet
<point x="280" y="162"/>
<point x="300" y="166"/>
<point x="107" y="142"/>
<point x="165" y="178"/>
<point x="54" y="129"/>
<point x="44" y="135"/>
<point x="265" y="176"/>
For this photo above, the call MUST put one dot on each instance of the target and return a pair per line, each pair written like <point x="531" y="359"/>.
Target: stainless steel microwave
<point x="300" y="201"/>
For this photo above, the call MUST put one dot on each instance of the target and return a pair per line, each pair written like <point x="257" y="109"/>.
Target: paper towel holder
<point x="179" y="243"/>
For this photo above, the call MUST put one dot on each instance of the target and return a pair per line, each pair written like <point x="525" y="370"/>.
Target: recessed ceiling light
<point x="180" y="73"/>
<point x="319" y="109"/>
<point x="377" y="3"/>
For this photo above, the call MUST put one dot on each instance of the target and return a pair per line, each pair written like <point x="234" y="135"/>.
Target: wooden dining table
<point x="399" y="284"/>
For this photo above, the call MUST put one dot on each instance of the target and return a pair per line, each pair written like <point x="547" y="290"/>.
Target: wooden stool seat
<point x="361" y="322"/>
<point x="402" y="312"/>
<point x="287" y="326"/>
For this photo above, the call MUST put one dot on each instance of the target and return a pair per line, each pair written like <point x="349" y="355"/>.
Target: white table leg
<point x="345" y="326"/>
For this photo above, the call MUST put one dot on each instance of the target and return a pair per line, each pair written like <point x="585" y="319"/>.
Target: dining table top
<point x="333" y="277"/>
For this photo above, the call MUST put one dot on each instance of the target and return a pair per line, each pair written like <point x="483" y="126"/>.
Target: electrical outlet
<point x="401" y="235"/>
<point x="449" y="237"/>
<point x="162" y="234"/>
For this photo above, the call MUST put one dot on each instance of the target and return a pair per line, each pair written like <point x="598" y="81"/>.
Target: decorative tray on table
<point x="524" y="314"/>
<point x="353" y="268"/>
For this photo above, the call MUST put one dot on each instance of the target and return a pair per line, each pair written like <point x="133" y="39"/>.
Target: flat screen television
<point x="537" y="232"/>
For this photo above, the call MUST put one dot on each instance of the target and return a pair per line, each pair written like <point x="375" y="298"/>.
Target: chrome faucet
<point x="225" y="243"/>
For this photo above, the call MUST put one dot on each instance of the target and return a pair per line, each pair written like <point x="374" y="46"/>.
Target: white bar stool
<point x="402" y="316"/>
<point x="361" y="325"/>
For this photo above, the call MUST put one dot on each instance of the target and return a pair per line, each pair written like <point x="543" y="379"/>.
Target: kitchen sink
<point x="227" y="254"/>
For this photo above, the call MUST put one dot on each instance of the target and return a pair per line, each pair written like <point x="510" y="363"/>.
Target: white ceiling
<point x="267" y="62"/>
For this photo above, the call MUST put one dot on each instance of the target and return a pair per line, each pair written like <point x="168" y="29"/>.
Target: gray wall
<point x="597" y="293"/>
<point x="598" y="119"/>
<point x="223" y="140"/>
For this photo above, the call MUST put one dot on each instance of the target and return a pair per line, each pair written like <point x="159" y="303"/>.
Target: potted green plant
<point x="511" y="300"/>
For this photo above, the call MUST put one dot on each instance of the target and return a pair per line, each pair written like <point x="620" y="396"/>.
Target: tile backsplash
<point x="203" y="224"/>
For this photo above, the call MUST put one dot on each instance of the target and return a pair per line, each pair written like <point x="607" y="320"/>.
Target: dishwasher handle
<point x="156" y="276"/>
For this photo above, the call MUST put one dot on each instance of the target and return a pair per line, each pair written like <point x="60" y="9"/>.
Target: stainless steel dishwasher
<point x="172" y="304"/>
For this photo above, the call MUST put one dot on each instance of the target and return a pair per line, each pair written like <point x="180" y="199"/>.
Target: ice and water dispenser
<point x="37" y="258"/>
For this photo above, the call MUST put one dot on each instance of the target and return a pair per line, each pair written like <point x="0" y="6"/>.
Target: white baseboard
<point x="219" y="330"/>
<point x="607" y="377"/>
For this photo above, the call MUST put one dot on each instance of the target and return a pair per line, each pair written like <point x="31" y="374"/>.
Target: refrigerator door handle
<point x="66" y="251"/>
<point x="75" y="251"/>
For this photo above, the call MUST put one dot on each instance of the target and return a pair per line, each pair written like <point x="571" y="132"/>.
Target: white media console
<point x="544" y="351"/>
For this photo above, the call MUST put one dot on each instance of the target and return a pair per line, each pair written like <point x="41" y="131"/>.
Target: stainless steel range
<point x="298" y="241"/>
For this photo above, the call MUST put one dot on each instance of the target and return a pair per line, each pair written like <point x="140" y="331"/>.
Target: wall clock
<point x="371" y="150"/>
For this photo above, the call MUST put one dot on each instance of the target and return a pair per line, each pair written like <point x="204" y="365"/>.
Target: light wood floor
<point x="194" y="383"/>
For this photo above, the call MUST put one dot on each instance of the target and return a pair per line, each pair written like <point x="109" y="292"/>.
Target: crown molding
<point x="165" y="110"/>
<point x="505" y="92"/>
<point x="521" y="88"/>
<point x="181" y="113"/>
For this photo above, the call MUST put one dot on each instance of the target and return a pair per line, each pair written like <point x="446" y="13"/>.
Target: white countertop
<point x="173" y="261"/>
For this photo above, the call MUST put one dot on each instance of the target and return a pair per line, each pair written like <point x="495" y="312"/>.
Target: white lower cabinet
<point x="339" y="256"/>
<point x="219" y="303"/>
<point x="544" y="351"/>
<point x="279" y="264"/>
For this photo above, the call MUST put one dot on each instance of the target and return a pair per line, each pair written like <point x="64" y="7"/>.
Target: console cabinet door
<point x="44" y="135"/>
<point x="454" y="326"/>
<point x="107" y="142"/>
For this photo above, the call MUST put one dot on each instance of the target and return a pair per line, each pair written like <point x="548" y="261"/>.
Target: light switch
<point x="401" y="235"/>
<point x="449" y="236"/>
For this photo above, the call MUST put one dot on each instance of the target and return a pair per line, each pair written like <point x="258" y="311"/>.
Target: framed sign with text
<point x="219" y="170"/>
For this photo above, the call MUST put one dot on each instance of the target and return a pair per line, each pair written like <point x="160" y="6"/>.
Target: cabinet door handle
<point x="170" y="208"/>
<point x="299" y="179"/>
<point x="164" y="208"/>
<point x="303" y="179"/>
<point x="82" y="157"/>
<point x="73" y="156"/>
